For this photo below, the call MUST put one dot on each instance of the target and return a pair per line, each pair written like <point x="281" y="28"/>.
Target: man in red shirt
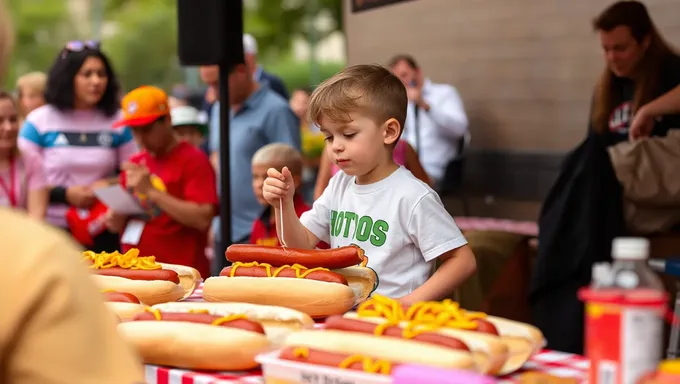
<point x="172" y="180"/>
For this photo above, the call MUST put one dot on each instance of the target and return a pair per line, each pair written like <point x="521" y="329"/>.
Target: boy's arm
<point x="293" y="233"/>
<point x="457" y="265"/>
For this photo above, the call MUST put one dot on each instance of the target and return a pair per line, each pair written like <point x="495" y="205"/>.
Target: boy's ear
<point x="392" y="131"/>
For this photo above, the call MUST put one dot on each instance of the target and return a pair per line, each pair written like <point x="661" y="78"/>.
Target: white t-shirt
<point x="399" y="222"/>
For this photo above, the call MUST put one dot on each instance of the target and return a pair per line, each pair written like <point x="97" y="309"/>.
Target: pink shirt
<point x="29" y="175"/>
<point x="75" y="147"/>
<point x="399" y="155"/>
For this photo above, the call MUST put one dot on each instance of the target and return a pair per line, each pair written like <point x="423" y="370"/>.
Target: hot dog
<point x="374" y="354"/>
<point x="255" y="269"/>
<point x="121" y="297"/>
<point x="197" y="341"/>
<point x="318" y="292"/>
<point x="231" y="321"/>
<point x="339" y="360"/>
<point x="430" y="337"/>
<point x="331" y="258"/>
<point x="140" y="274"/>
<point x="482" y="333"/>
<point x="149" y="281"/>
<point x="278" y="322"/>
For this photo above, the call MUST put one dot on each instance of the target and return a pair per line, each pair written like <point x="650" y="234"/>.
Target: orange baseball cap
<point x="143" y="106"/>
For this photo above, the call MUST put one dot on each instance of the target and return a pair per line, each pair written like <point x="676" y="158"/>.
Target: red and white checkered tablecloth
<point x="550" y="362"/>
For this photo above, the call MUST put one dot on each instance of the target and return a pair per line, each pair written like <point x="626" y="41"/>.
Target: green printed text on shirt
<point x="360" y="228"/>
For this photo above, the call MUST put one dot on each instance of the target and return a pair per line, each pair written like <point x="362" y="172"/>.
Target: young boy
<point x="188" y="126"/>
<point x="395" y="218"/>
<point x="274" y="156"/>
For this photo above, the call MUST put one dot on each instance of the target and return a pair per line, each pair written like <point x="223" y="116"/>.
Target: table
<point x="551" y="362"/>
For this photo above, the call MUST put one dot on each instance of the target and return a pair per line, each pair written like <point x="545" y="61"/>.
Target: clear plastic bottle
<point x="625" y="305"/>
<point x="630" y="270"/>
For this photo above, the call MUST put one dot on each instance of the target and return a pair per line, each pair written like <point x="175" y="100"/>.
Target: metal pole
<point x="225" y="199"/>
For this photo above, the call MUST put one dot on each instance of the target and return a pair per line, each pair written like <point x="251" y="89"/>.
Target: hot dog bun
<point x="149" y="292"/>
<point x="489" y="351"/>
<point x="193" y="345"/>
<point x="189" y="278"/>
<point x="315" y="298"/>
<point x="278" y="322"/>
<point x="362" y="280"/>
<point x="510" y="328"/>
<point x="125" y="311"/>
<point x="387" y="348"/>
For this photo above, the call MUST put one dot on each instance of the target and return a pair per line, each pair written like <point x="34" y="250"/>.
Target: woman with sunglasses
<point x="80" y="149"/>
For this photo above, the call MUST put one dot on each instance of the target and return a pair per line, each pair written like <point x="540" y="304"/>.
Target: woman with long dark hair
<point x="638" y="93"/>
<point x="73" y="134"/>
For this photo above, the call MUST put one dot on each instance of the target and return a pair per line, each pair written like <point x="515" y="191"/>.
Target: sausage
<point x="317" y="357"/>
<point x="259" y="271"/>
<point x="316" y="258"/>
<point x="486" y="327"/>
<point x="343" y="324"/>
<point x="140" y="274"/>
<point x="121" y="297"/>
<point x="202" y="318"/>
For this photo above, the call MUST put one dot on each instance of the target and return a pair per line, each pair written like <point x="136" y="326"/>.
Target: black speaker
<point x="210" y="32"/>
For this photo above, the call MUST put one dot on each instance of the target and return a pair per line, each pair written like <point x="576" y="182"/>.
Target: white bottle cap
<point x="630" y="248"/>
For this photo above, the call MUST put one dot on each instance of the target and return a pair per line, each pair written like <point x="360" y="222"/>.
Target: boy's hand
<point x="277" y="186"/>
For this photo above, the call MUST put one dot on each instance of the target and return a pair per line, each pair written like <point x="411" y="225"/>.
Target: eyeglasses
<point x="79" y="46"/>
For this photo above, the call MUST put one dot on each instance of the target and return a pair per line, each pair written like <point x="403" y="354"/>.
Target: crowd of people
<point x="72" y="131"/>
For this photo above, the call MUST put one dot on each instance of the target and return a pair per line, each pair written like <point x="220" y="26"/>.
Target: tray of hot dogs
<point x="381" y="335"/>
<point x="317" y="282"/>
<point x="148" y="281"/>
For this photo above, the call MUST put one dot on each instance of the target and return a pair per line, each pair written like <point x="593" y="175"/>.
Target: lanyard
<point x="11" y="191"/>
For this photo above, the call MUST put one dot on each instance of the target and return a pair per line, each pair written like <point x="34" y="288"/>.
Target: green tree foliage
<point x="42" y="28"/>
<point x="141" y="35"/>
<point x="143" y="42"/>
<point x="275" y="22"/>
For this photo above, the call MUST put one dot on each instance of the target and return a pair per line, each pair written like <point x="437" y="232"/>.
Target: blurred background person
<point x="436" y="119"/>
<point x="22" y="177"/>
<point x="74" y="137"/>
<point x="313" y="141"/>
<point x="259" y="74"/>
<point x="189" y="127"/>
<point x="58" y="317"/>
<point x="31" y="92"/>
<point x="258" y="117"/>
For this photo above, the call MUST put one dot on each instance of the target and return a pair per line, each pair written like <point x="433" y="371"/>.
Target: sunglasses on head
<point x="79" y="46"/>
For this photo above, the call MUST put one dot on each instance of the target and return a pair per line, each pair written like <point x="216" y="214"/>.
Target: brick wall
<point x="525" y="68"/>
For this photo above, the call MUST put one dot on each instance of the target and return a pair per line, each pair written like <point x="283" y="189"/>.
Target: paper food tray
<point x="278" y="371"/>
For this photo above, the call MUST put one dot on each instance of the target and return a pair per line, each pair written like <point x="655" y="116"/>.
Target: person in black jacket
<point x="637" y="95"/>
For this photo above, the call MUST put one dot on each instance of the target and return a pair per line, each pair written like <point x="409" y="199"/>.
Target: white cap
<point x="630" y="248"/>
<point x="249" y="44"/>
<point x="185" y="115"/>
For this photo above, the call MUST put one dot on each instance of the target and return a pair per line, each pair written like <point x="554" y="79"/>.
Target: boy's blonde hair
<point x="279" y="155"/>
<point x="369" y="89"/>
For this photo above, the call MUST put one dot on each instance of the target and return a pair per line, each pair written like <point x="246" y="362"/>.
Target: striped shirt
<point x="76" y="147"/>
